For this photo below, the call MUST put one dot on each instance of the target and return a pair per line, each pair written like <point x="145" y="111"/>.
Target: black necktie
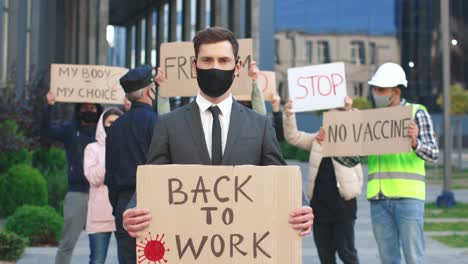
<point x="216" y="145"/>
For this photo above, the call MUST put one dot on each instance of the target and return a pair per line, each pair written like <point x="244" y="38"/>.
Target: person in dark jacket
<point x="75" y="136"/>
<point x="127" y="142"/>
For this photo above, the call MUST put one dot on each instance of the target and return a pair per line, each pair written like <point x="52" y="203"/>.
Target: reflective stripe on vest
<point x="399" y="175"/>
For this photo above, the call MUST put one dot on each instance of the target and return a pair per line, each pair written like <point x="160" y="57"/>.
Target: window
<point x="133" y="46"/>
<point x="323" y="51"/>
<point x="277" y="51"/>
<point x="358" y="89"/>
<point x="373" y="53"/>
<point x="179" y="36"/>
<point x="143" y="41"/>
<point x="166" y="23"/>
<point x="358" y="53"/>
<point x="309" y="52"/>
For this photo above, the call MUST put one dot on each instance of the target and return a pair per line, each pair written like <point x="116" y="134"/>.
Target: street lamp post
<point x="447" y="198"/>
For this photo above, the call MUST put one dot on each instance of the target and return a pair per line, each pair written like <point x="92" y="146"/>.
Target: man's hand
<point x="302" y="219"/>
<point x="321" y="136"/>
<point x="288" y="108"/>
<point x="253" y="71"/>
<point x="348" y="101"/>
<point x="159" y="76"/>
<point x="50" y="98"/>
<point x="135" y="220"/>
<point x="413" y="132"/>
<point x="276" y="103"/>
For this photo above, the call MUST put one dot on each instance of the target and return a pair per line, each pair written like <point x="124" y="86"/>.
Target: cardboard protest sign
<point x="317" y="87"/>
<point x="219" y="214"/>
<point x="74" y="83"/>
<point x="176" y="63"/>
<point x="267" y="82"/>
<point x="367" y="132"/>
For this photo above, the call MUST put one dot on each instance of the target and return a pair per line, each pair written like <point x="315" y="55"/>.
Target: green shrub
<point x="11" y="246"/>
<point x="22" y="185"/>
<point x="458" y="99"/>
<point x="361" y="103"/>
<point x="40" y="224"/>
<point x="52" y="163"/>
<point x="13" y="157"/>
<point x="292" y="152"/>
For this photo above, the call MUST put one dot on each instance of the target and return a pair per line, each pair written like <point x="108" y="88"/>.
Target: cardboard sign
<point x="176" y="62"/>
<point x="367" y="132"/>
<point x="219" y="214"/>
<point x="267" y="82"/>
<point x="74" y="83"/>
<point x="317" y="87"/>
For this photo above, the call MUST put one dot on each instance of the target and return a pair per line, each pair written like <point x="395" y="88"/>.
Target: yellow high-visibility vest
<point x="399" y="175"/>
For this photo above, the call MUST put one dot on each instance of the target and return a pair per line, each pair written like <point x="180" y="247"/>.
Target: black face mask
<point x="106" y="129"/>
<point x="215" y="82"/>
<point x="88" y="117"/>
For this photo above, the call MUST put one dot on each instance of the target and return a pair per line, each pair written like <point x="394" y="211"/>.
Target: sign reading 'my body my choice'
<point x="176" y="63"/>
<point x="318" y="87"/>
<point x="219" y="214"/>
<point x="367" y="132"/>
<point x="87" y="83"/>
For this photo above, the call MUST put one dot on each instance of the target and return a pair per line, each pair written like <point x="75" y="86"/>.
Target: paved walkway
<point x="436" y="252"/>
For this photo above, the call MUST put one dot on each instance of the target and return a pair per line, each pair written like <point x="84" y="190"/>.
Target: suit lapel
<point x="192" y="117"/>
<point x="235" y="127"/>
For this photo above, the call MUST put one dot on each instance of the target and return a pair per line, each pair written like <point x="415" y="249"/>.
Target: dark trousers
<point x="125" y="244"/>
<point x="331" y="238"/>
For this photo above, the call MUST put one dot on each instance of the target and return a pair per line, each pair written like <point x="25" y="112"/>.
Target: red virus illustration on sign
<point x="152" y="250"/>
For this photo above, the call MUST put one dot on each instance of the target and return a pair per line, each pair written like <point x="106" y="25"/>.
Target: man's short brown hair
<point x="214" y="35"/>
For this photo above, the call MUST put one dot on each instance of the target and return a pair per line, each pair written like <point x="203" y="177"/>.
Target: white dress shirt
<point x="207" y="119"/>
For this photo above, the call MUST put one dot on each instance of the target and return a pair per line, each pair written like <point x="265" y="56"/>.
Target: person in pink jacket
<point x="100" y="222"/>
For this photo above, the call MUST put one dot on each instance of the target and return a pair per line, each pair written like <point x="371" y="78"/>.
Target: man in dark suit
<point x="214" y="129"/>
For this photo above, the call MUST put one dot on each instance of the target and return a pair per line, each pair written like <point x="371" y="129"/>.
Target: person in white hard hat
<point x="396" y="182"/>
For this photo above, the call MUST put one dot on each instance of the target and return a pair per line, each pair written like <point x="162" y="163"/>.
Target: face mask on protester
<point x="88" y="117"/>
<point x="106" y="129"/>
<point x="215" y="82"/>
<point x="382" y="100"/>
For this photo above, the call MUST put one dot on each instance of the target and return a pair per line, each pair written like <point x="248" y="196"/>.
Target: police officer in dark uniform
<point x="127" y="142"/>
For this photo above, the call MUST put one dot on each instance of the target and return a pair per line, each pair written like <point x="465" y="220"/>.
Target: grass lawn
<point x="455" y="241"/>
<point x="459" y="226"/>
<point x="460" y="210"/>
<point x="459" y="177"/>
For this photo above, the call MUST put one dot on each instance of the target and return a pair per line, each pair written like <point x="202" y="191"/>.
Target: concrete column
<point x="1" y="41"/>
<point x="186" y="20"/>
<point x="160" y="31"/>
<point x="82" y="33"/>
<point x="17" y="45"/>
<point x="235" y="17"/>
<point x="248" y="18"/>
<point x="216" y="13"/>
<point x="201" y="21"/>
<point x="172" y="20"/>
<point x="128" y="46"/>
<point x="138" y="43"/>
<point x="103" y="21"/>
<point x="93" y="29"/>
